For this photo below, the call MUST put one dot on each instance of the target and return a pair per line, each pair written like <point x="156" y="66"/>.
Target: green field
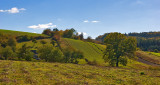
<point x="18" y="33"/>
<point x="90" y="50"/>
<point x="36" y="73"/>
<point x="93" y="51"/>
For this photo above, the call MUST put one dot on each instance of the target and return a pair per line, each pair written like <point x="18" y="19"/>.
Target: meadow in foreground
<point x="21" y="72"/>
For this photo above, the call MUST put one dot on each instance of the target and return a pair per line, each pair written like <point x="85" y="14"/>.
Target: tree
<point x="7" y="52"/>
<point x="34" y="41"/>
<point x="89" y="39"/>
<point x="50" y="53"/>
<point x="55" y="29"/>
<point x="72" y="56"/>
<point x="12" y="43"/>
<point x="47" y="32"/>
<point x="68" y="33"/>
<point x="81" y="36"/>
<point x="56" y="55"/>
<point x="118" y="48"/>
<point x="25" y="53"/>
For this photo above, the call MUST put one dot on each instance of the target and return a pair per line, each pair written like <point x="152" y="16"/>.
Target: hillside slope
<point x="18" y="33"/>
<point x="90" y="50"/>
<point x="36" y="73"/>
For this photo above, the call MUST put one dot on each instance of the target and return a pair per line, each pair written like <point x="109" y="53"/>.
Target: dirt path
<point x="147" y="62"/>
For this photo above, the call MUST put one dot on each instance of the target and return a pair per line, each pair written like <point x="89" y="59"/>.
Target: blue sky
<point x="93" y="17"/>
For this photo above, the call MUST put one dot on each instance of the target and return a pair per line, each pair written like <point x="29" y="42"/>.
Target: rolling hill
<point x="19" y="33"/>
<point x="90" y="50"/>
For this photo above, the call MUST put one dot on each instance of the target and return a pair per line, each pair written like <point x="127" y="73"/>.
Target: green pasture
<point x="43" y="73"/>
<point x="18" y="33"/>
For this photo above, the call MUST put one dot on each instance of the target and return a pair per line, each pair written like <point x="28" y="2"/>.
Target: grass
<point x="93" y="52"/>
<point x="18" y="33"/>
<point x="36" y="73"/>
<point x="148" y="57"/>
<point x="156" y="54"/>
<point x="90" y="50"/>
<point x="31" y="44"/>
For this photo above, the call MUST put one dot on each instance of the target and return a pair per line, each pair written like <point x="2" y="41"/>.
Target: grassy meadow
<point x="90" y="51"/>
<point x="36" y="73"/>
<point x="43" y="73"/>
<point x="19" y="33"/>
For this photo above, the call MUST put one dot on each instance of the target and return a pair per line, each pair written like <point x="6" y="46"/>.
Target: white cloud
<point x="42" y="26"/>
<point x="13" y="10"/>
<point x="85" y="21"/>
<point x="95" y="21"/>
<point x="83" y="33"/>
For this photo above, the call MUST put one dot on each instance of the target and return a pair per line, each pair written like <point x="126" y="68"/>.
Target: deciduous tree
<point x="118" y="48"/>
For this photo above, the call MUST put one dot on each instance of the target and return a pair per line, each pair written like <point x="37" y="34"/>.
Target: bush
<point x="23" y="38"/>
<point x="7" y="53"/>
<point x="24" y="53"/>
<point x="29" y="56"/>
<point x="94" y="62"/>
<point x="155" y="50"/>
<point x="141" y="73"/>
<point x="12" y="43"/>
<point x="72" y="56"/>
<point x="56" y="55"/>
<point x="50" y="53"/>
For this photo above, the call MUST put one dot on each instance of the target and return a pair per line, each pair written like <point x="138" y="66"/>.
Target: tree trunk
<point x="117" y="61"/>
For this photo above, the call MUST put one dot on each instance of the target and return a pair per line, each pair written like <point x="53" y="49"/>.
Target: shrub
<point x="12" y="43"/>
<point x="7" y="53"/>
<point x="50" y="53"/>
<point x="94" y="62"/>
<point x="155" y="50"/>
<point x="29" y="56"/>
<point x="23" y="38"/>
<point x="56" y="55"/>
<point x="72" y="56"/>
<point x="24" y="53"/>
<point x="141" y="73"/>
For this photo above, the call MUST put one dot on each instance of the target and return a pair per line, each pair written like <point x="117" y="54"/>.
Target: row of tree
<point x="146" y="41"/>
<point x="68" y="33"/>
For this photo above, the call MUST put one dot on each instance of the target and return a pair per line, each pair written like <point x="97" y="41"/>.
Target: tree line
<point x="48" y="52"/>
<point x="146" y="41"/>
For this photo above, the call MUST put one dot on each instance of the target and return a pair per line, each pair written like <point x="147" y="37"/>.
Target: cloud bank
<point x="13" y="10"/>
<point x="42" y="26"/>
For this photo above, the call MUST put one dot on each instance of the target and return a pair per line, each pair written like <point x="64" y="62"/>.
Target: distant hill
<point x="134" y="34"/>
<point x="19" y="33"/>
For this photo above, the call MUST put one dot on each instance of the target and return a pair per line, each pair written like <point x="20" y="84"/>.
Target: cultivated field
<point x="90" y="50"/>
